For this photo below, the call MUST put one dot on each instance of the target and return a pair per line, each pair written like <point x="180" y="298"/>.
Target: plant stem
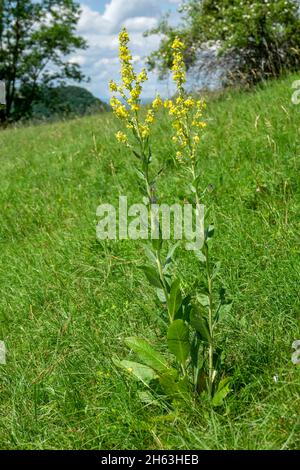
<point x="210" y="306"/>
<point x="158" y="251"/>
<point x="210" y="325"/>
<point x="163" y="281"/>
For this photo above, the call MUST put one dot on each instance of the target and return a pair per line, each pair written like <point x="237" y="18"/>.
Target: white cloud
<point x="100" y="61"/>
<point x="118" y="11"/>
<point x="140" y="23"/>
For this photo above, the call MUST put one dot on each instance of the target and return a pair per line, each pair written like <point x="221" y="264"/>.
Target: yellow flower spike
<point x="123" y="36"/>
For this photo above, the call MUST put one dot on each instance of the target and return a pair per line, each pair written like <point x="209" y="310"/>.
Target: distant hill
<point x="65" y="101"/>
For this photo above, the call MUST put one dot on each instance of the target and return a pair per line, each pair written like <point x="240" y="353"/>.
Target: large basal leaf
<point x="178" y="340"/>
<point x="173" y="387"/>
<point x="147" y="354"/>
<point x="143" y="373"/>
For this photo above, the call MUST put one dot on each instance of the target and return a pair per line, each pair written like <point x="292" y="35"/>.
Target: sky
<point x="100" y="23"/>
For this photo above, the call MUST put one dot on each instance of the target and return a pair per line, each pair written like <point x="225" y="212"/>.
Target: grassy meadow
<point x="67" y="301"/>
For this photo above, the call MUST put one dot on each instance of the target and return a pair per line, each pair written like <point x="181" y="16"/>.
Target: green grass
<point x="68" y="301"/>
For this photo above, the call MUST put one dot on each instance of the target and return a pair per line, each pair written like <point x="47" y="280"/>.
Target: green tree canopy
<point x="35" y="38"/>
<point x="262" y="37"/>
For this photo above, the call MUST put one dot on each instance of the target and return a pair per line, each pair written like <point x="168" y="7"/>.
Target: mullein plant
<point x="191" y="322"/>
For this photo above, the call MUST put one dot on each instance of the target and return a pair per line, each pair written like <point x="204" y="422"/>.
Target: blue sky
<point x="100" y="22"/>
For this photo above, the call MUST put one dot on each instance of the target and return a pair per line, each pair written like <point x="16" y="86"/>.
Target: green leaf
<point x="196" y="181"/>
<point x="140" y="174"/>
<point x="178" y="340"/>
<point x="170" y="254"/>
<point x="222" y="392"/>
<point x="157" y="243"/>
<point x="147" y="398"/>
<point x="150" y="254"/>
<point x="143" y="373"/>
<point x="200" y="256"/>
<point x="216" y="269"/>
<point x="203" y="300"/>
<point x="152" y="276"/>
<point x="197" y="353"/>
<point x="174" y="388"/>
<point x="161" y="295"/>
<point x="147" y="354"/>
<point x="175" y="298"/>
<point x="209" y="232"/>
<point x="200" y="323"/>
<point x="223" y="311"/>
<point x="137" y="154"/>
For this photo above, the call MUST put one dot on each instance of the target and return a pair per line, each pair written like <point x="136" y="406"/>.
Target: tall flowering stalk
<point x="190" y="332"/>
<point x="186" y="114"/>
<point x="127" y="107"/>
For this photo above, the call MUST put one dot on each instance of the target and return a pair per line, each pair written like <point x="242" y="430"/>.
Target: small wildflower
<point x="177" y="44"/>
<point x="144" y="131"/>
<point x="121" y="137"/>
<point x="157" y="103"/>
<point x="150" y="117"/>
<point x="168" y="104"/>
<point x="142" y="77"/>
<point x="113" y="86"/>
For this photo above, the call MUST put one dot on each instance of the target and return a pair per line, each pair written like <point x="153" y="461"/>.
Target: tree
<point x="36" y="36"/>
<point x="64" y="102"/>
<point x="260" y="39"/>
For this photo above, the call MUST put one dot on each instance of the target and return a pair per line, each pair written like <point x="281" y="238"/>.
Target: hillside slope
<point x="67" y="301"/>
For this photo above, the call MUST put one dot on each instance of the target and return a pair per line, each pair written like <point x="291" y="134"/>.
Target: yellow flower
<point x="150" y="117"/>
<point x="196" y="139"/>
<point x="114" y="102"/>
<point x="189" y="102"/>
<point x="124" y="37"/>
<point x="121" y="137"/>
<point x="157" y="102"/>
<point x="177" y="44"/>
<point x="142" y="77"/>
<point x="144" y="131"/>
<point x="113" y="86"/>
<point x="121" y="112"/>
<point x="135" y="93"/>
<point x="168" y="104"/>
